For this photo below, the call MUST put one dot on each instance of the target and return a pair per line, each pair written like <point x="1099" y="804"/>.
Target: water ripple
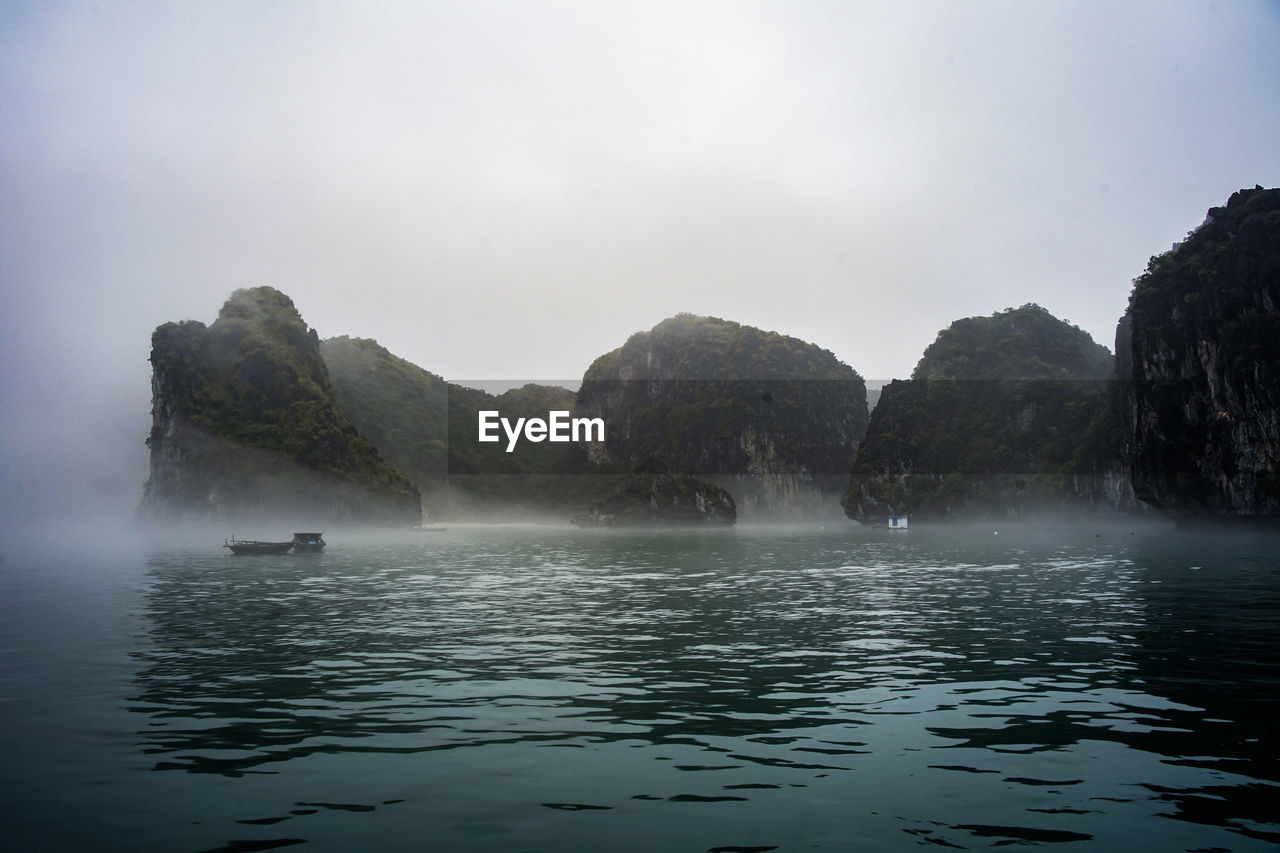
<point x="1077" y="686"/>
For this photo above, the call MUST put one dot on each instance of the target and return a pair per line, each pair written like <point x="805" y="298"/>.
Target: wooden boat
<point x="253" y="547"/>
<point x="307" y="543"/>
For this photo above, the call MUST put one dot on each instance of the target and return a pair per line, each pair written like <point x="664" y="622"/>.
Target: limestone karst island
<point x="706" y="421"/>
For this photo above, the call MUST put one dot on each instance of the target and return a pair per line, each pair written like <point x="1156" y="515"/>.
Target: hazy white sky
<point x="507" y="190"/>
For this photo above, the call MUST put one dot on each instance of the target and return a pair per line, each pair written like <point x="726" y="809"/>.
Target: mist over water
<point x="548" y="688"/>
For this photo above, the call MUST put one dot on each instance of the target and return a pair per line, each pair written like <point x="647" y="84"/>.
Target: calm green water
<point x="522" y="689"/>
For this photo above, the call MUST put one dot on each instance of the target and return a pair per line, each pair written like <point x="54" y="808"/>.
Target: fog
<point x="498" y="190"/>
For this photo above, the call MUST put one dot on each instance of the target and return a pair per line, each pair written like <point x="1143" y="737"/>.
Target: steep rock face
<point x="244" y="424"/>
<point x="769" y="417"/>
<point x="1204" y="360"/>
<point x="1006" y="415"/>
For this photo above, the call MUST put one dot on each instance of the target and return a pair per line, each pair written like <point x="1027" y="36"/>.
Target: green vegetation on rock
<point x="245" y="421"/>
<point x="427" y="428"/>
<point x="400" y="408"/>
<point x="1017" y="343"/>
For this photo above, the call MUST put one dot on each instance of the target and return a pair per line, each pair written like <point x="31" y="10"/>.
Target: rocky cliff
<point x="653" y="496"/>
<point x="245" y="425"/>
<point x="1203" y="356"/>
<point x="772" y="419"/>
<point x="1007" y="415"/>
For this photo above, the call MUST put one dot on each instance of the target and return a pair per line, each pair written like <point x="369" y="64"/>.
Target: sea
<point x="1095" y="685"/>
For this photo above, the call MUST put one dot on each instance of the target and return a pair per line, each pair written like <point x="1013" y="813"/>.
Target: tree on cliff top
<point x="1223" y="279"/>
<point x="1000" y="417"/>
<point x="714" y="397"/>
<point x="1017" y="343"/>
<point x="688" y="346"/>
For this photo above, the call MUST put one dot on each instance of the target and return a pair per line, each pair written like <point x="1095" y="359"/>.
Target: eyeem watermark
<point x="558" y="427"/>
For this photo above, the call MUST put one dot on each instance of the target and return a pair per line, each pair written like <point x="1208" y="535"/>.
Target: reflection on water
<point x="956" y="688"/>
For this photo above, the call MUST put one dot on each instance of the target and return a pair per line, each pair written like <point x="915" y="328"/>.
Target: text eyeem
<point x="557" y="427"/>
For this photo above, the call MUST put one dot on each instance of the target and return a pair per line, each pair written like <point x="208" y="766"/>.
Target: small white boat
<point x="897" y="522"/>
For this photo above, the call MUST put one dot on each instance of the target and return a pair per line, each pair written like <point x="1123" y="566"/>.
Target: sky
<point x="507" y="190"/>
